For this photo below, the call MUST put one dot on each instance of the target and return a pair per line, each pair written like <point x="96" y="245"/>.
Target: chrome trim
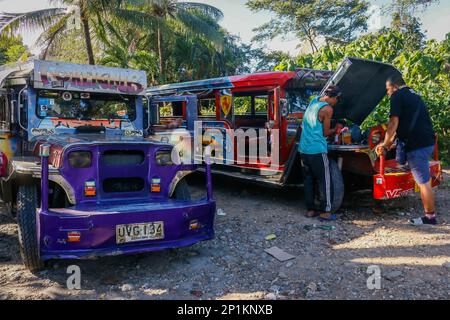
<point x="29" y="166"/>
<point x="102" y="143"/>
<point x="178" y="177"/>
<point x="19" y="107"/>
<point x="62" y="182"/>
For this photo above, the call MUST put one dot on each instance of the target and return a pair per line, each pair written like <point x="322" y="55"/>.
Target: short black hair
<point x="333" y="91"/>
<point x="396" y="80"/>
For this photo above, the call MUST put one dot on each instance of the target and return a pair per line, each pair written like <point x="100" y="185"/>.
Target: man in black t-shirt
<point x="411" y="124"/>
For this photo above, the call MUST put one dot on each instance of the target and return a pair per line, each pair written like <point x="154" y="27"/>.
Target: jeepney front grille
<point x="119" y="158"/>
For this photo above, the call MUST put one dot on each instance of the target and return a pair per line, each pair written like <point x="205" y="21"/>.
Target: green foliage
<point x="424" y="70"/>
<point x="12" y="49"/>
<point x="70" y="48"/>
<point x="308" y="19"/>
<point x="243" y="105"/>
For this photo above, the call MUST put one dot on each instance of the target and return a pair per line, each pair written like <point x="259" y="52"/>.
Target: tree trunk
<point x="161" y="53"/>
<point x="87" y="34"/>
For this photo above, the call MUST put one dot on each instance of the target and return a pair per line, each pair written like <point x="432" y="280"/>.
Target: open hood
<point x="363" y="86"/>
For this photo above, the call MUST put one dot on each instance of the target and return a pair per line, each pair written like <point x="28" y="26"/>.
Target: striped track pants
<point x="316" y="168"/>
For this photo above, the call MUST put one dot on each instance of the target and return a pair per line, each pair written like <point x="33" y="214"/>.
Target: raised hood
<point x="363" y="86"/>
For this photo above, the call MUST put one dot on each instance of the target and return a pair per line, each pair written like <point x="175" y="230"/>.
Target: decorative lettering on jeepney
<point x="42" y="132"/>
<point x="396" y="193"/>
<point x="73" y="123"/>
<point x="68" y="76"/>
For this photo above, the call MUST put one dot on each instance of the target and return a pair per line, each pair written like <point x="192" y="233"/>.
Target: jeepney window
<point x="261" y="104"/>
<point x="207" y="108"/>
<point x="4" y="114"/>
<point x="251" y="105"/>
<point x="242" y="105"/>
<point x="299" y="100"/>
<point x="170" y="109"/>
<point x="85" y="106"/>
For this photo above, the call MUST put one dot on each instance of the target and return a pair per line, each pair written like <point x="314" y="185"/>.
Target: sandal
<point x="332" y="217"/>
<point x="423" y="221"/>
<point x="312" y="214"/>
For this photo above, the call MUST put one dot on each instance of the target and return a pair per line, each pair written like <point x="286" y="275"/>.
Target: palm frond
<point x="34" y="19"/>
<point x="207" y="9"/>
<point x="141" y="3"/>
<point x="198" y="26"/>
<point x="138" y="18"/>
<point x="51" y="34"/>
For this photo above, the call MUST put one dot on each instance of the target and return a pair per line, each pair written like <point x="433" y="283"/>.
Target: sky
<point x="239" y="20"/>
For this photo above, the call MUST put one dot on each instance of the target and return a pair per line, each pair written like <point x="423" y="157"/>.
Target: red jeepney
<point x="272" y="104"/>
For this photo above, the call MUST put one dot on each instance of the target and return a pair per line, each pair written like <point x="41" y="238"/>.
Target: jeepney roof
<point x="306" y="77"/>
<point x="15" y="71"/>
<point x="52" y="75"/>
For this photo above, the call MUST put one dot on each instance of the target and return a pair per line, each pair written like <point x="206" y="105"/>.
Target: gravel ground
<point x="328" y="264"/>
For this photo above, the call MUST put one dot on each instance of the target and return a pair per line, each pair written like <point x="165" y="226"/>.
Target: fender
<point x="178" y="177"/>
<point x="26" y="167"/>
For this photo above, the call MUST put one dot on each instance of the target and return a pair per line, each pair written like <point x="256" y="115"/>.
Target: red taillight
<point x="73" y="236"/>
<point x="90" y="189"/>
<point x="3" y="164"/>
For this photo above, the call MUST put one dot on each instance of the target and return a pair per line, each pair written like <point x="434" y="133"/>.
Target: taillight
<point x="3" y="164"/>
<point x="90" y="189"/>
<point x="73" y="236"/>
<point x="156" y="185"/>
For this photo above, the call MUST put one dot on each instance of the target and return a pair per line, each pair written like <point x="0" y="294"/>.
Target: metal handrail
<point x="148" y="113"/>
<point x="19" y="109"/>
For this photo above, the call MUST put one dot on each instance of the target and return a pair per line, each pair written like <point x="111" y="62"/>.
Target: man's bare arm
<point x="325" y="115"/>
<point x="391" y="132"/>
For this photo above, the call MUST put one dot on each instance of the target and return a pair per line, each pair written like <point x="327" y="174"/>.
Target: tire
<point x="338" y="186"/>
<point x="337" y="180"/>
<point x="182" y="191"/>
<point x="27" y="202"/>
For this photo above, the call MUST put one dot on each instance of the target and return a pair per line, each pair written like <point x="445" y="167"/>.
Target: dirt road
<point x="328" y="264"/>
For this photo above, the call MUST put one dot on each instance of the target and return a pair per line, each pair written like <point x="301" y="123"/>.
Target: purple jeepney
<point x="78" y="173"/>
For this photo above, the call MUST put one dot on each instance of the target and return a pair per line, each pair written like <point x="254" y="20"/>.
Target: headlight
<point x="80" y="159"/>
<point x="164" y="158"/>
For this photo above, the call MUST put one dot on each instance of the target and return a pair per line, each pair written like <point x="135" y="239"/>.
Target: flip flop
<point x="422" y="222"/>
<point x="333" y="217"/>
<point x="312" y="215"/>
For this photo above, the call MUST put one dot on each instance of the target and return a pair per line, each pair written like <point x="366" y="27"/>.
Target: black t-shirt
<point x="404" y="104"/>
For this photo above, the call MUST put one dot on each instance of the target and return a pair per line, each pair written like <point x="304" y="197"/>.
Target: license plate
<point x="139" y="232"/>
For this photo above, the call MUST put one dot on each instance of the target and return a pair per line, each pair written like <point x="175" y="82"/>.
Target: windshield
<point x="85" y="106"/>
<point x="300" y="99"/>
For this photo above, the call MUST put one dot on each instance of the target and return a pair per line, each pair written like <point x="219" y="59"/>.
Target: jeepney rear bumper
<point x="96" y="226"/>
<point x="395" y="183"/>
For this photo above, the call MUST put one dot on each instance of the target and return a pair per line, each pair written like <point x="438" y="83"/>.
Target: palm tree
<point x="121" y="48"/>
<point x="157" y="14"/>
<point x="55" y="21"/>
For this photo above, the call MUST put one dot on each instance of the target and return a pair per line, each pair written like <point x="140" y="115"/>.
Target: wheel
<point x="27" y="202"/>
<point x="182" y="191"/>
<point x="337" y="182"/>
